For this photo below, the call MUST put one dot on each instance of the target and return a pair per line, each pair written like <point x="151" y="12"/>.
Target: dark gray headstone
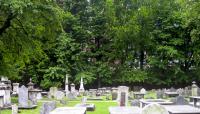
<point x="123" y="98"/>
<point x="135" y="102"/>
<point x="47" y="107"/>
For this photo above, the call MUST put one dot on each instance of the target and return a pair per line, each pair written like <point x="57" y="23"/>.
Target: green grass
<point x="101" y="107"/>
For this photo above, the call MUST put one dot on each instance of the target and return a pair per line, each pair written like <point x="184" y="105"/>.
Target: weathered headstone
<point x="1" y="101"/>
<point x="123" y="95"/>
<point x="143" y="91"/>
<point x="47" y="107"/>
<point x="73" y="88"/>
<point x="23" y="96"/>
<point x="15" y="88"/>
<point x="84" y="100"/>
<point x="59" y="95"/>
<point x="180" y="100"/>
<point x="114" y="93"/>
<point x="14" y="109"/>
<point x="160" y="94"/>
<point x="71" y="96"/>
<point x="39" y="96"/>
<point x="194" y="89"/>
<point x="180" y="91"/>
<point x="135" y="102"/>
<point x="52" y="92"/>
<point x="154" y="109"/>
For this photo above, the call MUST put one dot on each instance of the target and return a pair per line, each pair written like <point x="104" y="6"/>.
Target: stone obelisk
<point x="81" y="89"/>
<point x="66" y="84"/>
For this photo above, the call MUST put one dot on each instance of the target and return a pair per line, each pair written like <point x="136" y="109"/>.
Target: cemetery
<point x="99" y="56"/>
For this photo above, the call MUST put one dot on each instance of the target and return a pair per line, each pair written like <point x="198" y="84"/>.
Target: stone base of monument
<point x="89" y="107"/>
<point x="28" y="107"/>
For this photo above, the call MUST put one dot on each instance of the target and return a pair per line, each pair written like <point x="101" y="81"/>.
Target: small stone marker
<point x="14" y="109"/>
<point x="52" y="91"/>
<point x="47" y="107"/>
<point x="143" y="91"/>
<point x="160" y="94"/>
<point x="154" y="109"/>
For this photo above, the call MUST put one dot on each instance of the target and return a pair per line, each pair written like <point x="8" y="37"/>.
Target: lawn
<point x="101" y="107"/>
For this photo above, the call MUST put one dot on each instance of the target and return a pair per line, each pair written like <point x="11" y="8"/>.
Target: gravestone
<point x="143" y="91"/>
<point x="7" y="97"/>
<point x="52" y="92"/>
<point x="59" y="95"/>
<point x="123" y="95"/>
<point x="71" y="96"/>
<point x="39" y="96"/>
<point x="14" y="109"/>
<point x="48" y="107"/>
<point x="15" y="88"/>
<point x="172" y="89"/>
<point x="180" y="91"/>
<point x="73" y="88"/>
<point x="194" y="89"/>
<point x="135" y="102"/>
<point x="187" y="92"/>
<point x="114" y="93"/>
<point x="1" y="101"/>
<point x="154" y="109"/>
<point x="180" y="100"/>
<point x="160" y="94"/>
<point x="84" y="100"/>
<point x="23" y="96"/>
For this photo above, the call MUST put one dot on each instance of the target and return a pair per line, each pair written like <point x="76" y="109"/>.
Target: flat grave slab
<point x="145" y="102"/>
<point x="95" y="98"/>
<point x="89" y="107"/>
<point x="69" y="110"/>
<point x="125" y="110"/>
<point x="181" y="109"/>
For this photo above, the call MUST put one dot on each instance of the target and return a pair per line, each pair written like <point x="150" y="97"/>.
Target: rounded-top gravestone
<point x="154" y="109"/>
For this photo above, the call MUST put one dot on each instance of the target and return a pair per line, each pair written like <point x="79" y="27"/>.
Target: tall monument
<point x="81" y="89"/>
<point x="67" y="84"/>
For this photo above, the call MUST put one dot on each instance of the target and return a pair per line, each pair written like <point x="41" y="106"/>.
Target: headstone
<point x="23" y="96"/>
<point x="47" y="107"/>
<point x="84" y="100"/>
<point x="71" y="96"/>
<point x="81" y="89"/>
<point x="180" y="100"/>
<point x="172" y="89"/>
<point x="59" y="95"/>
<point x="73" y="88"/>
<point x="160" y="94"/>
<point x="154" y="109"/>
<point x="1" y="101"/>
<point x="114" y="93"/>
<point x="15" y="88"/>
<point x="135" y="102"/>
<point x="143" y="91"/>
<point x="123" y="95"/>
<point x="14" y="109"/>
<point x="39" y="96"/>
<point x="187" y="92"/>
<point x="180" y="91"/>
<point x="7" y="97"/>
<point x="194" y="89"/>
<point x="52" y="92"/>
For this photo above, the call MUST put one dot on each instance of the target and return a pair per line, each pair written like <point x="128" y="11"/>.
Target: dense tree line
<point x="107" y="42"/>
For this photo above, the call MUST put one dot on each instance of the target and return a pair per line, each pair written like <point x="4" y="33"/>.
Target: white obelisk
<point x="66" y="84"/>
<point x="81" y="89"/>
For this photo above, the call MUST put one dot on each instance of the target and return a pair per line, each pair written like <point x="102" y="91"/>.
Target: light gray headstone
<point x="59" y="95"/>
<point x="135" y="102"/>
<point x="71" y="96"/>
<point x="1" y="101"/>
<point x="14" y="109"/>
<point x="143" y="91"/>
<point x="160" y="94"/>
<point x="39" y="96"/>
<point x="180" y="100"/>
<point x="47" y="107"/>
<point x="154" y="109"/>
<point x="52" y="92"/>
<point x="23" y="96"/>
